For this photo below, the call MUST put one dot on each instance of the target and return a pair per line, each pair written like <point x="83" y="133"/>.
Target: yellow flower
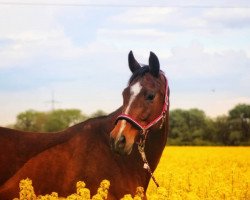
<point x="127" y="197"/>
<point x="105" y="184"/>
<point x="102" y="191"/>
<point x="184" y="173"/>
<point x="53" y="196"/>
<point x="97" y="197"/>
<point x="73" y="197"/>
<point x="139" y="193"/>
<point x="26" y="190"/>
<point x="82" y="191"/>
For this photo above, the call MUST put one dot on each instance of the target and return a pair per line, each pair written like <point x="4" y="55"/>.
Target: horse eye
<point x="150" y="97"/>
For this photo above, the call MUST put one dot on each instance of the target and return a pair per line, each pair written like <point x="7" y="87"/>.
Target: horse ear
<point x="154" y="65"/>
<point x="132" y="63"/>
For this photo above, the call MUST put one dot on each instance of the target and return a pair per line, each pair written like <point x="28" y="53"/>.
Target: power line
<point x="115" y="5"/>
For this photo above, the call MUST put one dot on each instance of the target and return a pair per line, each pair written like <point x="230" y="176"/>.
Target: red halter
<point x="145" y="128"/>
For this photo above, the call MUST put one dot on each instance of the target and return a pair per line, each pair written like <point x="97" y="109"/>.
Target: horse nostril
<point x="118" y="145"/>
<point x="121" y="142"/>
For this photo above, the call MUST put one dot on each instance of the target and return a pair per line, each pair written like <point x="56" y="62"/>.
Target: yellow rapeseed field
<point x="184" y="173"/>
<point x="204" y="173"/>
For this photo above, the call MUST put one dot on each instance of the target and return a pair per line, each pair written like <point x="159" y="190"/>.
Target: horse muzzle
<point x="120" y="145"/>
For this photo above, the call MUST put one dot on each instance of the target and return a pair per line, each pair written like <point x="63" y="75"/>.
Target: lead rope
<point x="141" y="147"/>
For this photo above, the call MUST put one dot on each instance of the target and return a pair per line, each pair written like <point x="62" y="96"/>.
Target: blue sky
<point x="80" y="53"/>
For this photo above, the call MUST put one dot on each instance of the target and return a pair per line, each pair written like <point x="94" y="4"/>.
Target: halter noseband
<point x="145" y="128"/>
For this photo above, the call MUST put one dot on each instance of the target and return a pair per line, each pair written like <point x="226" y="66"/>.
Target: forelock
<point x="139" y="73"/>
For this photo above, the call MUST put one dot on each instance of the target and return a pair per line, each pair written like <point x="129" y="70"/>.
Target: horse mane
<point x="139" y="73"/>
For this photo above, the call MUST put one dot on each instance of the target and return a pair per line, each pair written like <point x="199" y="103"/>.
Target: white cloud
<point x="39" y="34"/>
<point x="144" y="15"/>
<point x="29" y="45"/>
<point x="204" y="21"/>
<point x="134" y="34"/>
<point x="33" y="36"/>
<point x="212" y="81"/>
<point x="24" y="33"/>
<point x="228" y="17"/>
<point x="194" y="61"/>
<point x="15" y="20"/>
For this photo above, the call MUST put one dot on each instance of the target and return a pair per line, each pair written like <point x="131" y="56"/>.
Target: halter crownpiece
<point x="145" y="128"/>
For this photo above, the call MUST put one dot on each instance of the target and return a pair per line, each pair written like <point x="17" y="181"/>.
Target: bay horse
<point x="99" y="148"/>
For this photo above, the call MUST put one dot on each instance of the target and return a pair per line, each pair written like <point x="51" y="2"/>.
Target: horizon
<point x="53" y="108"/>
<point x="78" y="51"/>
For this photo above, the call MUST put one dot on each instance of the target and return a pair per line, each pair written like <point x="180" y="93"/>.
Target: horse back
<point x="17" y="147"/>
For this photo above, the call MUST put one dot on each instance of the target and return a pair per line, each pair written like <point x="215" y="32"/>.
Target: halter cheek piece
<point x="144" y="130"/>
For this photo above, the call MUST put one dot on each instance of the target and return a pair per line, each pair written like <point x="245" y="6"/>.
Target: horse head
<point x="145" y="101"/>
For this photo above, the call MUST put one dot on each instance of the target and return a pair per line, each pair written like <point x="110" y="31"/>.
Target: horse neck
<point x="155" y="144"/>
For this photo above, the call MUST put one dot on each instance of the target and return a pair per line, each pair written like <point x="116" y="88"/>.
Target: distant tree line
<point x="193" y="127"/>
<point x="51" y="121"/>
<point x="187" y="127"/>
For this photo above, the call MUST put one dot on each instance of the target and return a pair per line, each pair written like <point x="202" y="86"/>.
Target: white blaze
<point x="134" y="91"/>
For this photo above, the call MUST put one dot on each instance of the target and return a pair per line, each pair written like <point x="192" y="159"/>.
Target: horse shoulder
<point x="59" y="167"/>
<point x="17" y="147"/>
